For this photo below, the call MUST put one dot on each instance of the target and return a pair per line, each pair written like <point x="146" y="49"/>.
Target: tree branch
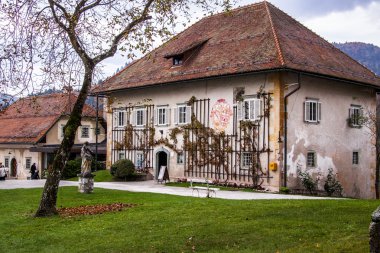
<point x="112" y="50"/>
<point x="73" y="21"/>
<point x="62" y="25"/>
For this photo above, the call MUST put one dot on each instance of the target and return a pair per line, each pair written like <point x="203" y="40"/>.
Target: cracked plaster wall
<point x="333" y="140"/>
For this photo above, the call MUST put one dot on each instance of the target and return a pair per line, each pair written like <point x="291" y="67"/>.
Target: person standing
<point x="2" y="172"/>
<point x="33" y="170"/>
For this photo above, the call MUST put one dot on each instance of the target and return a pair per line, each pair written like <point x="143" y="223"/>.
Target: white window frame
<point x="139" y="160"/>
<point x="312" y="164"/>
<point x="246" y="159"/>
<point x="355" y="114"/>
<point x="120" y="118"/>
<point x="7" y="160"/>
<point x="180" y="158"/>
<point x="121" y="155"/>
<point x="355" y="160"/>
<point x="82" y="132"/>
<point x="185" y="110"/>
<point x="136" y="113"/>
<point x="162" y="116"/>
<point x="28" y="161"/>
<point x="312" y="111"/>
<point x="249" y="109"/>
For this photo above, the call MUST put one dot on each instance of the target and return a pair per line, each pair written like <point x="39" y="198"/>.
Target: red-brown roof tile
<point x="28" y="119"/>
<point x="248" y="39"/>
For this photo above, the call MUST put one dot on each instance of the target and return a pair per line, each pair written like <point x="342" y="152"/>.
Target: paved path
<point x="152" y="186"/>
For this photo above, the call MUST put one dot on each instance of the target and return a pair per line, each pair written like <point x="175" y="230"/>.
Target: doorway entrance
<point x="162" y="160"/>
<point x="13" y="167"/>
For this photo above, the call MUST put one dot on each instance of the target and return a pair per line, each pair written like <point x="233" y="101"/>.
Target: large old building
<point x="31" y="130"/>
<point x="250" y="96"/>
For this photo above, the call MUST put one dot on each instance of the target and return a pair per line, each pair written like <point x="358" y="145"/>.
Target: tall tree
<point x="63" y="41"/>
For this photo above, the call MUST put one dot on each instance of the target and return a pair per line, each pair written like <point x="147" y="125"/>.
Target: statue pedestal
<point x="86" y="183"/>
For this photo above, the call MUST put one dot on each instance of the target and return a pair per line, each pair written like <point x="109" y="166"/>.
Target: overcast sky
<point x="334" y="20"/>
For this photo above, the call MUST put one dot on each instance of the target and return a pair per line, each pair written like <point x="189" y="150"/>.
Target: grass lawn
<point x="164" y="223"/>
<point x="101" y="176"/>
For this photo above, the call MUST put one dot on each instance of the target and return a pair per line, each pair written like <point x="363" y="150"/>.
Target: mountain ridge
<point x="366" y="54"/>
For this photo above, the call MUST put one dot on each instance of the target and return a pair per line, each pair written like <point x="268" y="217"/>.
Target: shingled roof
<point x="27" y="120"/>
<point x="253" y="38"/>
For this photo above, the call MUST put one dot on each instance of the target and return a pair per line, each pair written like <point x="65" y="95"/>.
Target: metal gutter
<point x="286" y="130"/>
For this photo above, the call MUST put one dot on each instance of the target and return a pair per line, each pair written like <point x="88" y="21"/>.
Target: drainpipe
<point x="286" y="130"/>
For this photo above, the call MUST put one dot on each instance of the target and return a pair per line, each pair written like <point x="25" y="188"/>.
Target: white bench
<point x="209" y="190"/>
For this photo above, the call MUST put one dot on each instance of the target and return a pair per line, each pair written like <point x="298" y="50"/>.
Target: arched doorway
<point x="162" y="159"/>
<point x="13" y="167"/>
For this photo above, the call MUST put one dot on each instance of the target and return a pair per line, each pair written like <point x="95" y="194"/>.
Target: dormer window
<point x="177" y="60"/>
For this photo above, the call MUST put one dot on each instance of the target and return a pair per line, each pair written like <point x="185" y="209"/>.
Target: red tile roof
<point x="248" y="39"/>
<point x="28" y="119"/>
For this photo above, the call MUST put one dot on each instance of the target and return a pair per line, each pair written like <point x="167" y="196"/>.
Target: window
<point x="311" y="159"/>
<point x="85" y="132"/>
<point x="162" y="116"/>
<point x="355" y="157"/>
<point x="140" y="160"/>
<point x="312" y="111"/>
<point x="97" y="131"/>
<point x="28" y="162"/>
<point x="62" y="131"/>
<point x="139" y="117"/>
<point x="249" y="109"/>
<point x="120" y="118"/>
<point x="6" y="162"/>
<point x="177" y="60"/>
<point x="182" y="114"/>
<point x="356" y="116"/>
<point x="180" y="158"/>
<point x="246" y="159"/>
<point x="121" y="155"/>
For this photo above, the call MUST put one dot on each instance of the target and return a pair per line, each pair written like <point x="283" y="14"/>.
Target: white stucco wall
<point x="219" y="88"/>
<point x="333" y="140"/>
<point x="54" y="135"/>
<point x="20" y="153"/>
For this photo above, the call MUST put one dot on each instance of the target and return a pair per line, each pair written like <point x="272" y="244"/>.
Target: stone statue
<point x="86" y="155"/>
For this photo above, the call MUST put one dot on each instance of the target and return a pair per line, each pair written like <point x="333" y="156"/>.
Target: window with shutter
<point x="119" y="118"/>
<point x="356" y="116"/>
<point x="313" y="111"/>
<point x="140" y="117"/>
<point x="249" y="109"/>
<point x="162" y="116"/>
<point x="182" y="117"/>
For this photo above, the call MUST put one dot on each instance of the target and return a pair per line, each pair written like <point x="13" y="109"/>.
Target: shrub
<point x="72" y="168"/>
<point x="332" y="185"/>
<point x="285" y="190"/>
<point x="123" y="168"/>
<point x="308" y="182"/>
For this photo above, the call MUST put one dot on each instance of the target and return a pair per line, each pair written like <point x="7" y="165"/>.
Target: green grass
<point x="101" y="176"/>
<point x="164" y="223"/>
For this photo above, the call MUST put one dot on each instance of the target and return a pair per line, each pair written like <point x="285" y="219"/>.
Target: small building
<point x="251" y="97"/>
<point x="31" y="130"/>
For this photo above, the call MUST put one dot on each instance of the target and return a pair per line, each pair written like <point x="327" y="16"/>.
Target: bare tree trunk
<point x="49" y="196"/>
